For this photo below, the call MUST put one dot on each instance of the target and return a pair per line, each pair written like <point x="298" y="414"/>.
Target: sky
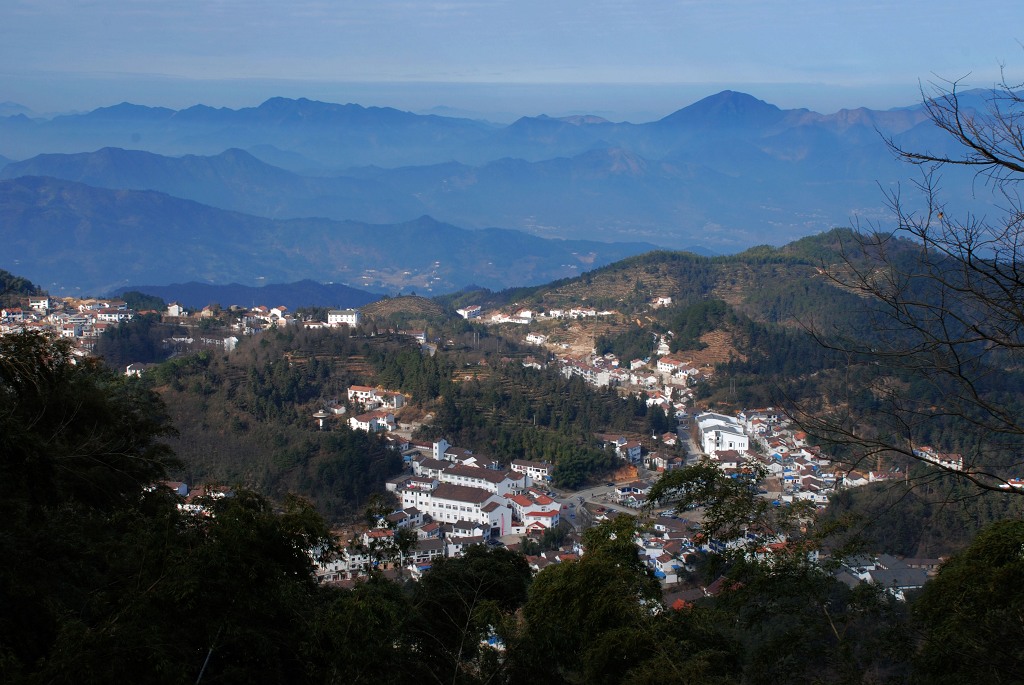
<point x="632" y="60"/>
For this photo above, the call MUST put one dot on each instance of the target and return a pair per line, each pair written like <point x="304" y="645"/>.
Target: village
<point x="449" y="498"/>
<point x="82" y="321"/>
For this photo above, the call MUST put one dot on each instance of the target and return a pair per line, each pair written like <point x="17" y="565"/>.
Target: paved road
<point x="600" y="495"/>
<point x="604" y="496"/>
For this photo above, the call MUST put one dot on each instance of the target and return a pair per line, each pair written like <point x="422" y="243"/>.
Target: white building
<point x="719" y="432"/>
<point x="373" y="422"/>
<point x="39" y="304"/>
<point x="449" y="503"/>
<point x="535" y="470"/>
<point x="343" y="317"/>
<point x="670" y="364"/>
<point x="497" y="482"/>
<point x="535" y="513"/>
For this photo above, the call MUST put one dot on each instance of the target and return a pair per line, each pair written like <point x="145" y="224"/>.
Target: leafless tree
<point x="946" y="295"/>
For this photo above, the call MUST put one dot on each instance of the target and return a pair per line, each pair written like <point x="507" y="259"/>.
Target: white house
<point x="536" y="512"/>
<point x="372" y="398"/>
<point x="39" y="304"/>
<point x="535" y="470"/>
<point x="670" y="364"/>
<point x="630" y="451"/>
<point x="373" y="422"/>
<point x="113" y="315"/>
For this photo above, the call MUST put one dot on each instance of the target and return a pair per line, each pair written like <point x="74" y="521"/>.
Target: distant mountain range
<point x="73" y="238"/>
<point x="305" y="293"/>
<point x="233" y="179"/>
<point x="727" y="172"/>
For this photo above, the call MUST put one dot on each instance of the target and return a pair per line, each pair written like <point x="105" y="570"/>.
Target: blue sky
<point x="625" y="60"/>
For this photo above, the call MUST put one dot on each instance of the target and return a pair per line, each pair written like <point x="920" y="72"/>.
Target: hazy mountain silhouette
<point x="304" y="293"/>
<point x="233" y="180"/>
<point x="95" y="240"/>
<point x="725" y="173"/>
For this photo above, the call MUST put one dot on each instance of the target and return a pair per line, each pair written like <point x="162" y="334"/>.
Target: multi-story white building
<point x="498" y="482"/>
<point x="535" y="470"/>
<point x="343" y="317"/>
<point x="719" y="432"/>
<point x="39" y="304"/>
<point x="449" y="503"/>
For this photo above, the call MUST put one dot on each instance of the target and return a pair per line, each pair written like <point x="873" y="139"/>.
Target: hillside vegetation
<point x="247" y="419"/>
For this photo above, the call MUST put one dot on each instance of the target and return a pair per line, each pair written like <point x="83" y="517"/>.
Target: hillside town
<point x="449" y="498"/>
<point x="83" y="321"/>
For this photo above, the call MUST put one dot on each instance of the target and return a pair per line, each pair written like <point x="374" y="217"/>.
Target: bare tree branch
<point x="945" y="301"/>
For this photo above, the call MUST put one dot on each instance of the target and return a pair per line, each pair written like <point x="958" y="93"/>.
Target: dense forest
<point x="14" y="289"/>
<point x="247" y="418"/>
<point x="515" y="412"/>
<point x="923" y="516"/>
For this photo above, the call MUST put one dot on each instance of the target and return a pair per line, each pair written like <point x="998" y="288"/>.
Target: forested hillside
<point x="248" y="418"/>
<point x="13" y="289"/>
<point x="773" y="319"/>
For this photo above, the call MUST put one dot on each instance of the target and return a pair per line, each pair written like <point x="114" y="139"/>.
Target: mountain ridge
<point x="97" y="240"/>
<point x="726" y="172"/>
<point x="304" y="293"/>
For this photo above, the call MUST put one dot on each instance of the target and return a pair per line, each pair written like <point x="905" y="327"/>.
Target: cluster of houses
<point x="259" y="318"/>
<point x="85" y="320"/>
<point x="528" y="316"/>
<point x="448" y="499"/>
<point x="670" y="378"/>
<point x="451" y="484"/>
<point x="82" y="321"/>
<point x="665" y="546"/>
<point x="668" y="543"/>
<point x="378" y="407"/>
<point x="763" y="440"/>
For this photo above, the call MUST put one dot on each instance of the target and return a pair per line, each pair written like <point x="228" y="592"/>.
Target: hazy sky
<point x="634" y="60"/>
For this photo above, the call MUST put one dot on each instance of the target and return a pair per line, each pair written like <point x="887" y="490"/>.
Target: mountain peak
<point x="128" y="110"/>
<point x="725" y="109"/>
